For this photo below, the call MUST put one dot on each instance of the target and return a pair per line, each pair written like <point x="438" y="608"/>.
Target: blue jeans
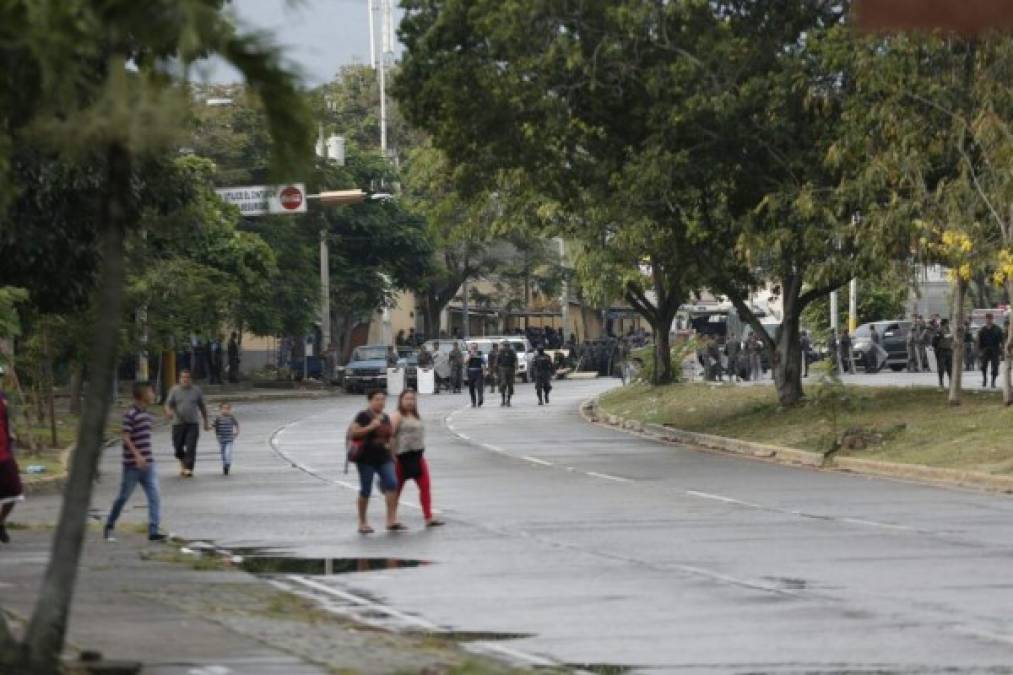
<point x="226" y="449"/>
<point x="149" y="483"/>
<point x="385" y="472"/>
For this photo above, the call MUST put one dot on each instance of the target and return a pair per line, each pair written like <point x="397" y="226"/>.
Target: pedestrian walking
<point x="233" y="353"/>
<point x="456" y="368"/>
<point x="410" y="448"/>
<point x="542" y="369"/>
<point x="990" y="340"/>
<point x="476" y="382"/>
<point x="506" y="363"/>
<point x="492" y="367"/>
<point x="942" y="344"/>
<point x="183" y="405"/>
<point x="371" y="433"/>
<point x="226" y="431"/>
<point x="11" y="490"/>
<point x="138" y="464"/>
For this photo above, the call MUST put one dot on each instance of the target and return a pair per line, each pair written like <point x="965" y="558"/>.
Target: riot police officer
<point x="542" y="369"/>
<point x="989" y="348"/>
<point x="506" y="366"/>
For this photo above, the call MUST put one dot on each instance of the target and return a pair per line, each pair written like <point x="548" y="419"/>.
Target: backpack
<point x="354" y="447"/>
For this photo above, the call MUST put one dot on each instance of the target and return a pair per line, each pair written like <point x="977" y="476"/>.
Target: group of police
<point x="498" y="368"/>
<point x="985" y="348"/>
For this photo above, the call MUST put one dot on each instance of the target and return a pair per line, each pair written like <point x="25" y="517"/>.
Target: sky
<point x="319" y="36"/>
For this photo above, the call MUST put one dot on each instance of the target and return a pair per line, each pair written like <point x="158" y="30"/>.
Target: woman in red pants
<point x="410" y="447"/>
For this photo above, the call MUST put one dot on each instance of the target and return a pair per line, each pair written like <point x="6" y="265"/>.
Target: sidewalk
<point x="184" y="615"/>
<point x="124" y="609"/>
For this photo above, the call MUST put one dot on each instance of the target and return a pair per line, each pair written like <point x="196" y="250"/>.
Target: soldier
<point x="542" y="369"/>
<point x="844" y="345"/>
<point x="506" y="364"/>
<point x="942" y="343"/>
<point x="914" y="361"/>
<point x="989" y="348"/>
<point x="732" y="348"/>
<point x="970" y="353"/>
<point x="456" y="368"/>
<point x="925" y="334"/>
<point x="476" y="385"/>
<point x="714" y="359"/>
<point x="492" y="367"/>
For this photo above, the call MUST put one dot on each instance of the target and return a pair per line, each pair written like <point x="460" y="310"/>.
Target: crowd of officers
<point x="498" y="368"/>
<point x="742" y="360"/>
<point x="984" y="349"/>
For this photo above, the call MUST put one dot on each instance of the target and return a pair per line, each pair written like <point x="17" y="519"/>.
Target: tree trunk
<point x="76" y="385"/>
<point x="44" y="639"/>
<point x="47" y="360"/>
<point x="786" y="360"/>
<point x="957" y="321"/>
<point x="662" y="356"/>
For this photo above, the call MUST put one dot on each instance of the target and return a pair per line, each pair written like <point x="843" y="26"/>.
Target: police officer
<point x="942" y="343"/>
<point x="914" y="361"/>
<point x="542" y="369"/>
<point x="989" y="348"/>
<point x="506" y="366"/>
<point x="492" y="367"/>
<point x="844" y="345"/>
<point x="476" y="385"/>
<point x="456" y="368"/>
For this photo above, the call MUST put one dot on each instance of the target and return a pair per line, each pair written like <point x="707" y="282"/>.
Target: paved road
<point x="601" y="548"/>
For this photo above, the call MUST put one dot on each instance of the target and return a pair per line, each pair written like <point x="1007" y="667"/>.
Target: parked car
<point x="366" y="369"/>
<point x="525" y="352"/>
<point x="892" y="338"/>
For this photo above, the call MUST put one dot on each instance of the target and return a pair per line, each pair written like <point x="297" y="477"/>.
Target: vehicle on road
<point x="367" y="368"/>
<point x="892" y="338"/>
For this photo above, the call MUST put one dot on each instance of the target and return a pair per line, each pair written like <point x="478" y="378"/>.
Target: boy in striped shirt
<point x="138" y="464"/>
<point x="227" y="431"/>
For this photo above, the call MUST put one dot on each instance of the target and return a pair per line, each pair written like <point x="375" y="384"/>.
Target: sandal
<point x="396" y="527"/>
<point x="366" y="529"/>
<point x="435" y="522"/>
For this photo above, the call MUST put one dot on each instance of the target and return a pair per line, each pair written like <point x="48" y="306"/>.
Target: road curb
<point x="591" y="412"/>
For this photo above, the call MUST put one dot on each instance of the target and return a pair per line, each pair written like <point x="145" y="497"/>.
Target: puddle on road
<point x="603" y="668"/>
<point x="275" y="564"/>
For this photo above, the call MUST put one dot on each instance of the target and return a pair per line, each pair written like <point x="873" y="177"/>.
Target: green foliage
<point x="832" y="399"/>
<point x="10" y="322"/>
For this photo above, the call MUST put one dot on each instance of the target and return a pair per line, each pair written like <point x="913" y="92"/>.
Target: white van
<point x="525" y="352"/>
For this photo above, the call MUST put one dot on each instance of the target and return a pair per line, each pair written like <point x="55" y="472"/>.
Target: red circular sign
<point x="290" y="198"/>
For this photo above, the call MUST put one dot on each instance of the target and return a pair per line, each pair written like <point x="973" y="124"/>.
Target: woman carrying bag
<point x="370" y="449"/>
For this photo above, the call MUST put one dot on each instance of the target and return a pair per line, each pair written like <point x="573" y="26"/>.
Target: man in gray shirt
<point x="182" y="407"/>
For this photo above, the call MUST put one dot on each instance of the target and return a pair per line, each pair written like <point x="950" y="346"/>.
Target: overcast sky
<point x="319" y="36"/>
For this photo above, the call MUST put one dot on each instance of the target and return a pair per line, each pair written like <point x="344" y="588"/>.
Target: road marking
<point x="535" y="460"/>
<point x="606" y="476"/>
<point x="406" y="620"/>
<point x="722" y="498"/>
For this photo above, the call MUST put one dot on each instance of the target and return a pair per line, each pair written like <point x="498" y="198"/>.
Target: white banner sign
<point x="259" y="200"/>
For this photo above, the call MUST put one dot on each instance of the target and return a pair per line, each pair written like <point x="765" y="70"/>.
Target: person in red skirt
<point x="11" y="491"/>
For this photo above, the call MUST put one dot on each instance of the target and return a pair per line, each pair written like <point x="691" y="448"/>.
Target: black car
<point x="892" y="338"/>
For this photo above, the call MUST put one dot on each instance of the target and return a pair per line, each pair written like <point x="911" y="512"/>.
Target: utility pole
<point x="371" y="7"/>
<point x="564" y="300"/>
<point x="325" y="298"/>
<point x="853" y="305"/>
<point x="466" y="330"/>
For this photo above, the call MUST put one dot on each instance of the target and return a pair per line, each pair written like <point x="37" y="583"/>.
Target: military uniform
<point x="492" y="366"/>
<point x="506" y="366"/>
<point x="989" y="348"/>
<point x="456" y="369"/>
<point x="942" y="343"/>
<point x="542" y="370"/>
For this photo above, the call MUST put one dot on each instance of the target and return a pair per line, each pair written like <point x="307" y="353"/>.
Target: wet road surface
<point x="588" y="546"/>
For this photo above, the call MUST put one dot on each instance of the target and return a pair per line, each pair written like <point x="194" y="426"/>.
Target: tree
<point x="79" y="93"/>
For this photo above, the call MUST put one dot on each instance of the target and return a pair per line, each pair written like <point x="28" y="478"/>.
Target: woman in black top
<point x="476" y="382"/>
<point x="373" y="428"/>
